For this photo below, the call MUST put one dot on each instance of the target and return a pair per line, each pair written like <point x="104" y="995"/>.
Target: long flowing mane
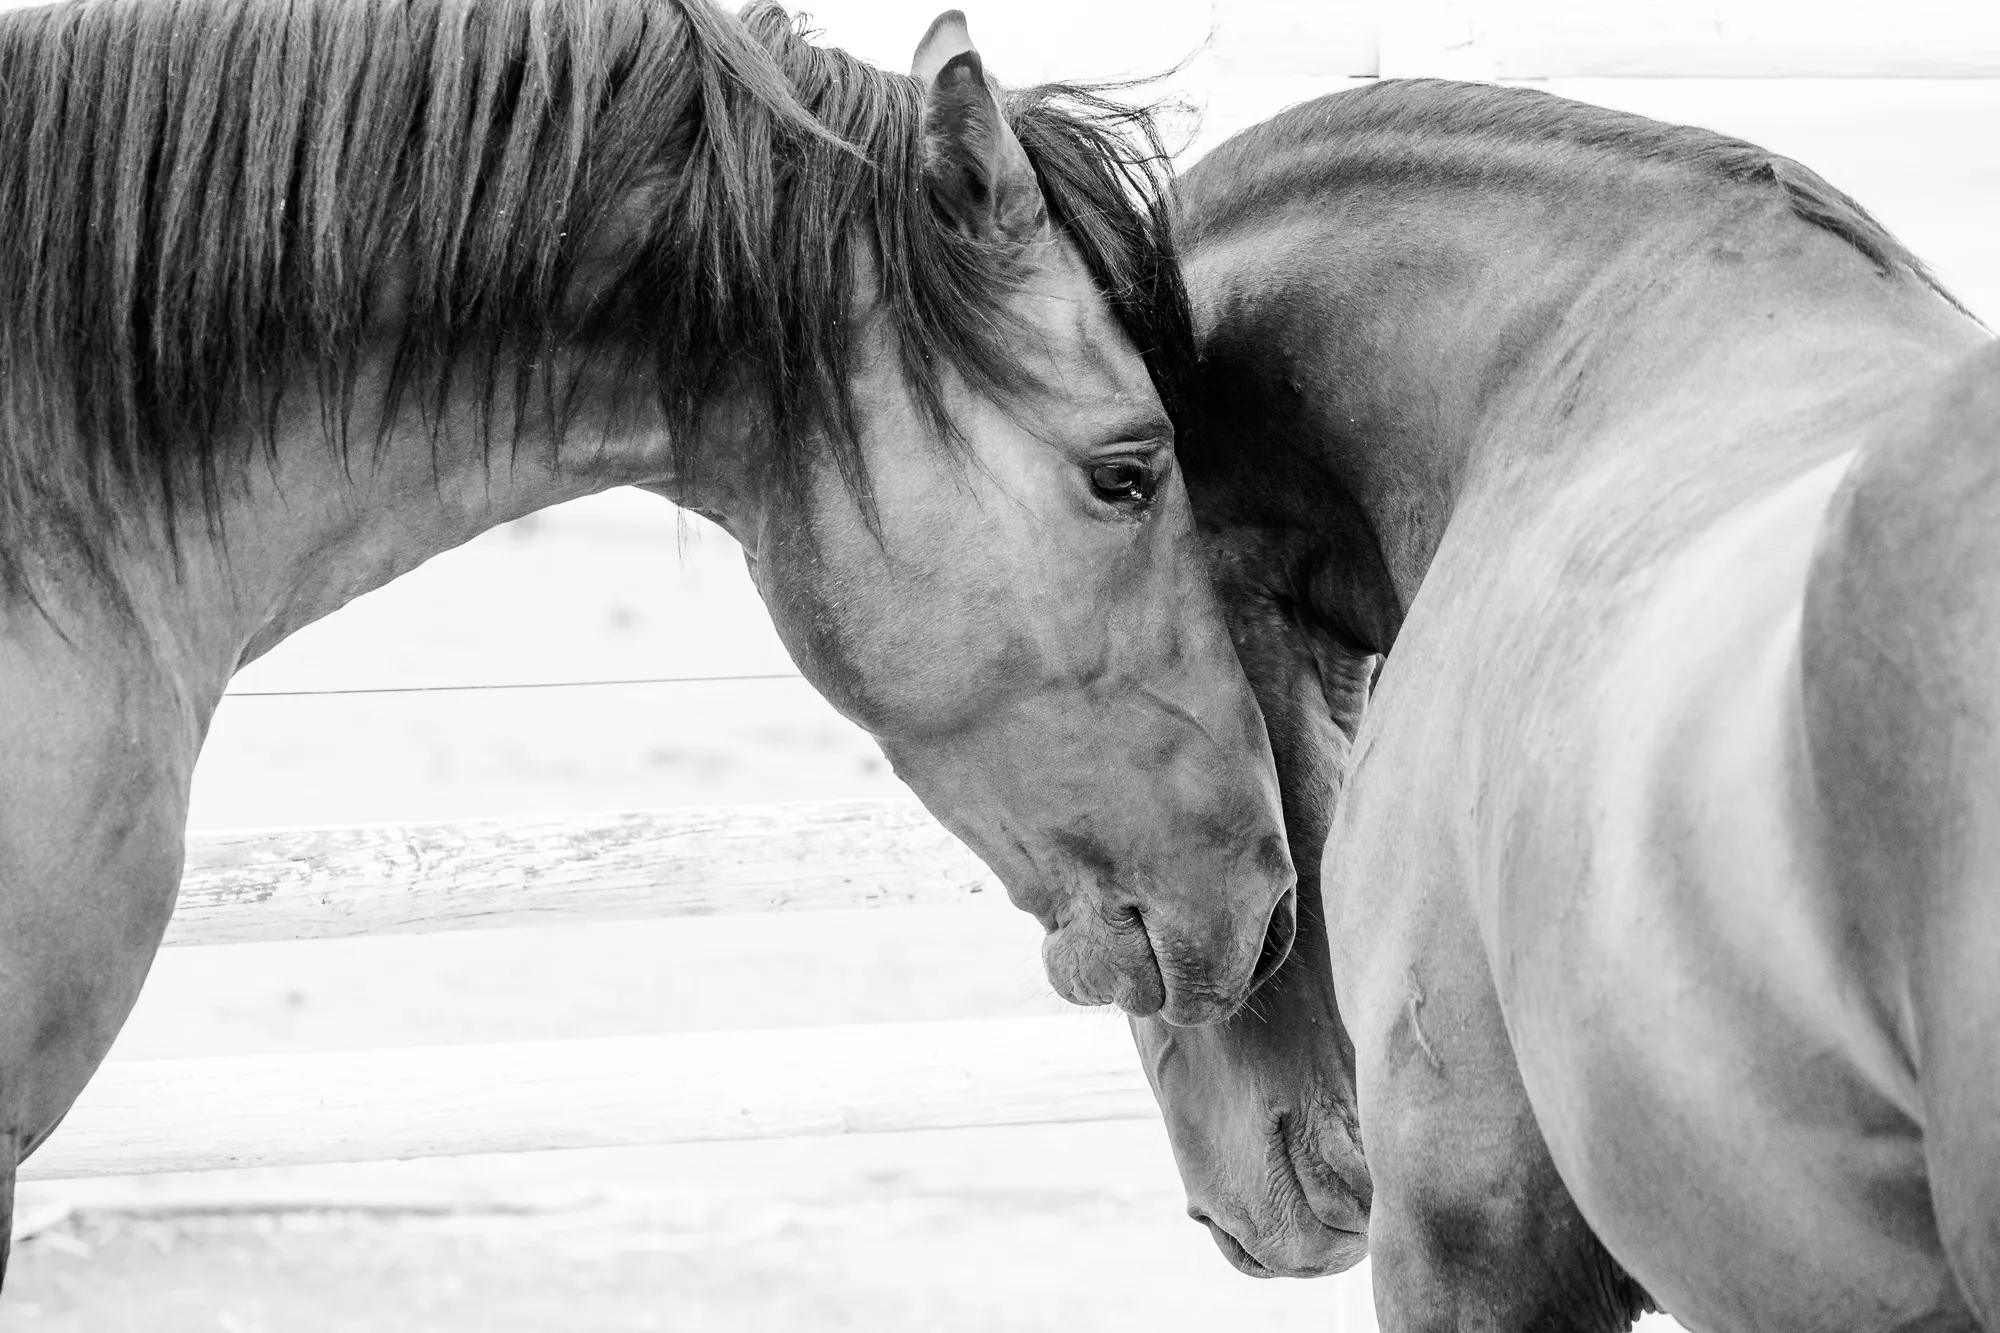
<point x="1430" y="131"/>
<point x="202" y="200"/>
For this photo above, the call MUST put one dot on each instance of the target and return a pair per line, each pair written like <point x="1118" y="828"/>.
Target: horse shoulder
<point x="95" y="765"/>
<point x="1472" y="1223"/>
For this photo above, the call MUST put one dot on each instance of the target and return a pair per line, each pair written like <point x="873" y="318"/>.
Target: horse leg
<point x="66" y="990"/>
<point x="1472" y="1229"/>
<point x="59" y="1028"/>
<point x="1902" y="690"/>
<point x="87" y="886"/>
<point x="10" y="1157"/>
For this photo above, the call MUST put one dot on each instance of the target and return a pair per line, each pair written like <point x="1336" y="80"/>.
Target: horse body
<point x="1584" y="421"/>
<point x="1704" y="1028"/>
<point x="294" y="298"/>
<point x="1729" y="1004"/>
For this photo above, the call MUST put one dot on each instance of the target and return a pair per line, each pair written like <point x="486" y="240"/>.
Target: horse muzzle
<point x="1146" y="968"/>
<point x="1318" y="1251"/>
<point x="1310" y="1220"/>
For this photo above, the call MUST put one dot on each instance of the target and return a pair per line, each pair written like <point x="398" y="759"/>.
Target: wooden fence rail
<point x="288" y="1110"/>
<point x="289" y="884"/>
<point x="297" y="884"/>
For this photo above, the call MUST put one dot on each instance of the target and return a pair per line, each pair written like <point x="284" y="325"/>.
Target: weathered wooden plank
<point x="1554" y="57"/>
<point x="286" y="1110"/>
<point x="1255" y="39"/>
<point x="1556" y="39"/>
<point x="1547" y="39"/>
<point x="290" y="884"/>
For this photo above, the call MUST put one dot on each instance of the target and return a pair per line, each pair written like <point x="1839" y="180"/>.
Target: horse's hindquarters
<point x="1717" y="1076"/>
<point x="1903" y="715"/>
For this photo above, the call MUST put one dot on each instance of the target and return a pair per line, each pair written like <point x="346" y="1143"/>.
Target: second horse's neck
<point x="1411" y="349"/>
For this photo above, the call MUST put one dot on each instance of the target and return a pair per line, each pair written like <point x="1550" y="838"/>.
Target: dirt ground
<point x="1075" y="1227"/>
<point x="1078" y="1227"/>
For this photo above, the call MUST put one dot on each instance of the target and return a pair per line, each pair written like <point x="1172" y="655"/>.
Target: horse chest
<point x="94" y="772"/>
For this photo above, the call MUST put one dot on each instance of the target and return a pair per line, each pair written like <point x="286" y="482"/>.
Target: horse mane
<point x="1434" y="132"/>
<point x="1107" y="178"/>
<point x="199" y="201"/>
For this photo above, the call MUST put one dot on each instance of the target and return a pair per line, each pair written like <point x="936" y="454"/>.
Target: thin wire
<point x="517" y="685"/>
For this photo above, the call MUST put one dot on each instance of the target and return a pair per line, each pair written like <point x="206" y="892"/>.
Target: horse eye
<point x="1126" y="481"/>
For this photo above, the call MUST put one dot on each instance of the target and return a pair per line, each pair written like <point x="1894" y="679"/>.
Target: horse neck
<point x="304" y="527"/>
<point x="1408" y="344"/>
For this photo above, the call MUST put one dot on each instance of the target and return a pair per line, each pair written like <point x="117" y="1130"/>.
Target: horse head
<point x="300" y="296"/>
<point x="1261" y="1109"/>
<point x="998" y="576"/>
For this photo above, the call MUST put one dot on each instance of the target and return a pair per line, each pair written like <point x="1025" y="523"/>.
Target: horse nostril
<point x="1278" y="935"/>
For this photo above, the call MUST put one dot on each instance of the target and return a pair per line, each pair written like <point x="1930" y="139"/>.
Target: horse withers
<point x="1608" y="515"/>
<point x="294" y="297"/>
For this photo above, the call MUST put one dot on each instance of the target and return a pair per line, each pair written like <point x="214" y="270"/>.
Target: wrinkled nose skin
<point x="1188" y="967"/>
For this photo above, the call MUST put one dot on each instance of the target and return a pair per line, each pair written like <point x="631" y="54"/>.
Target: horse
<point x="1608" y="517"/>
<point x="295" y="296"/>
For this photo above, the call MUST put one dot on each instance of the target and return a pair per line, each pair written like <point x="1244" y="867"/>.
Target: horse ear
<point x="975" y="168"/>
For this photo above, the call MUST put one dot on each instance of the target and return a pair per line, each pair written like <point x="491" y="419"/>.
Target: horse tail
<point x="1900" y="657"/>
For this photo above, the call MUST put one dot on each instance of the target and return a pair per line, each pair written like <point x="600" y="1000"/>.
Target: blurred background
<point x="1079" y="1226"/>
